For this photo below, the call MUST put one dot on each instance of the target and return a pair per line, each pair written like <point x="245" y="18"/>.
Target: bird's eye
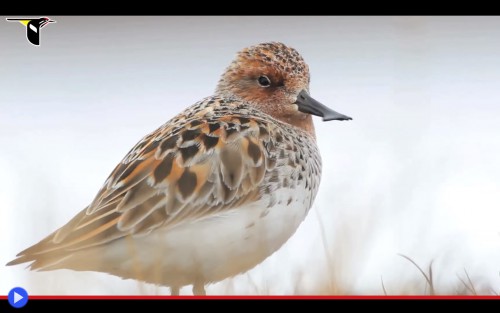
<point x="264" y="81"/>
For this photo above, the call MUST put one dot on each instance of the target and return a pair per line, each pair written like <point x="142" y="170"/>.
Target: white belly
<point x="212" y="249"/>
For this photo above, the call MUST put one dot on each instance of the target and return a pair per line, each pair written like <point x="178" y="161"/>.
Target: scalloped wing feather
<point x="189" y="169"/>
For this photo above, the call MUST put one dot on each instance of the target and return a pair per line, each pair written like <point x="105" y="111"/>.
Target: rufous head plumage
<point x="274" y="78"/>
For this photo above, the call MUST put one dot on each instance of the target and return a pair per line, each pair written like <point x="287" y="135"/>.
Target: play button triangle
<point x="17" y="297"/>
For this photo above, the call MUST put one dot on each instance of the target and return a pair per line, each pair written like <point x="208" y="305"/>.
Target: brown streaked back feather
<point x="190" y="168"/>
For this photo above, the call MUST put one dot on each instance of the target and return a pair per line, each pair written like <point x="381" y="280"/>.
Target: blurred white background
<point x="416" y="172"/>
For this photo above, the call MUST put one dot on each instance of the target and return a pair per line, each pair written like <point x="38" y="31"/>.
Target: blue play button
<point x="18" y="297"/>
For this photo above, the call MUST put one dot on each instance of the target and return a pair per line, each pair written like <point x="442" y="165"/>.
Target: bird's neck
<point x="304" y="122"/>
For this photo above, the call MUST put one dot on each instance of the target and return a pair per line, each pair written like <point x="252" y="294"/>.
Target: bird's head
<point x="274" y="78"/>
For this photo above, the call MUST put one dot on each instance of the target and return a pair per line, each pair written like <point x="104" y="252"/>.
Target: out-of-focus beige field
<point x="341" y="255"/>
